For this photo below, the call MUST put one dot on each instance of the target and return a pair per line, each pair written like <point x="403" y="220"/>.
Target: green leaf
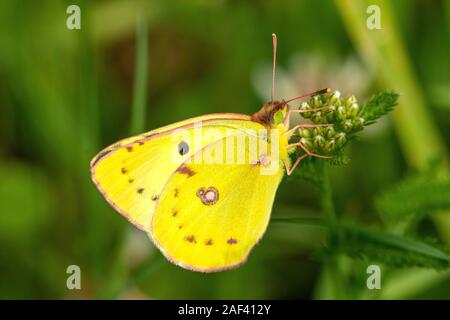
<point x="300" y="220"/>
<point x="394" y="250"/>
<point x="414" y="197"/>
<point x="379" y="105"/>
<point x="372" y="244"/>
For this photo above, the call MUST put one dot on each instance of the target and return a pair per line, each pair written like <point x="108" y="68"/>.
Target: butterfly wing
<point x="210" y="216"/>
<point x="132" y="172"/>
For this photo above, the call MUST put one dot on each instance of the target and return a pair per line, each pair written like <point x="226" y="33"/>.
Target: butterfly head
<point x="271" y="114"/>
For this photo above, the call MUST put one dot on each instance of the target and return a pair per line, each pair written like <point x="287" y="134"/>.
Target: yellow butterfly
<point x="203" y="198"/>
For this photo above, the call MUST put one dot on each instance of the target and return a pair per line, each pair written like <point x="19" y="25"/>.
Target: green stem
<point x="140" y="77"/>
<point x="326" y="198"/>
<point x="332" y="267"/>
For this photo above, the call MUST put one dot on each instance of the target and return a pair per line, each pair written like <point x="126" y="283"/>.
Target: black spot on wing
<point x="191" y="239"/>
<point x="186" y="170"/>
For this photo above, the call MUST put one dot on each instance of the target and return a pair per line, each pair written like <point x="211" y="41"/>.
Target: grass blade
<point x="138" y="114"/>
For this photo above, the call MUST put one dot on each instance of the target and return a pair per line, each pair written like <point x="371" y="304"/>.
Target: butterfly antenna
<point x="274" y="43"/>
<point x="326" y="90"/>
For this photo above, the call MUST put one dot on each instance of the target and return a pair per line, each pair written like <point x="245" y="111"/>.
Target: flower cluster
<point x="343" y="115"/>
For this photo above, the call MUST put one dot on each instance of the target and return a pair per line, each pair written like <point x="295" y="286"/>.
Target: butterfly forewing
<point x="132" y="173"/>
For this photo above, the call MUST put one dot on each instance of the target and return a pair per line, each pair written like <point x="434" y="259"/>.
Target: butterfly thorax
<point x="270" y="113"/>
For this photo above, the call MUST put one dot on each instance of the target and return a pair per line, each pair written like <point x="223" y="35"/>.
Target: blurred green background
<point x="65" y="94"/>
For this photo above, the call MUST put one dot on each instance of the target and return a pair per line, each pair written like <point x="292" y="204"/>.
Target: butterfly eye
<point x="183" y="148"/>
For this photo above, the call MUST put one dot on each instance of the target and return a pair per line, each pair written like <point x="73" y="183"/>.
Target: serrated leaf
<point x="376" y="245"/>
<point x="395" y="250"/>
<point x="415" y="196"/>
<point x="379" y="105"/>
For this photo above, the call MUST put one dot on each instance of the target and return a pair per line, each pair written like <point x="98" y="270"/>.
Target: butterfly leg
<point x="290" y="170"/>
<point x="308" y="152"/>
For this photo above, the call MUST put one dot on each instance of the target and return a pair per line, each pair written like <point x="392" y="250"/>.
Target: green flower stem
<point x="332" y="269"/>
<point x="326" y="194"/>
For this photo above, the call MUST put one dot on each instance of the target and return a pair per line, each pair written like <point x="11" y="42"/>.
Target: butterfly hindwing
<point x="210" y="216"/>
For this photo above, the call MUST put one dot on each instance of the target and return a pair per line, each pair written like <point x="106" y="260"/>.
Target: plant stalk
<point x="332" y="267"/>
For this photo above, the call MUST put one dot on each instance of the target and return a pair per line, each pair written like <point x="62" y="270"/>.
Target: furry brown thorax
<point x="266" y="113"/>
